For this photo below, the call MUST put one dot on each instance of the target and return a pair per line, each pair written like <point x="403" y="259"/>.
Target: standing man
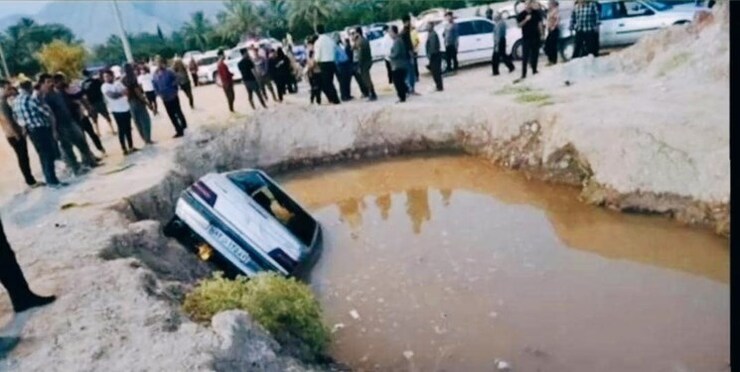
<point x="451" y="38"/>
<point x="227" y="79"/>
<point x="14" y="133"/>
<point x="530" y="21"/>
<point x="399" y="57"/>
<point x="249" y="77"/>
<point x="75" y="103"/>
<point x="68" y="131"/>
<point x="117" y="96"/>
<point x="499" y="45"/>
<point x="364" y="59"/>
<point x="553" y="32"/>
<point x="14" y="282"/>
<point x="344" y="70"/>
<point x="434" y="54"/>
<point x="386" y="45"/>
<point x="325" y="48"/>
<point x="406" y="37"/>
<point x="354" y="52"/>
<point x="36" y="120"/>
<point x="165" y="85"/>
<point x="91" y="89"/>
<point x="193" y="68"/>
<point x="584" y="21"/>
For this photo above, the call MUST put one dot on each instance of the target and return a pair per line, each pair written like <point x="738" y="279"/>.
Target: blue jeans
<point x="411" y="75"/>
<point x="43" y="140"/>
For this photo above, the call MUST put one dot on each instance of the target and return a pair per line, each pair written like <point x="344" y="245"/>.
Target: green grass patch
<point x="532" y="97"/>
<point x="284" y="306"/>
<point x="513" y="89"/>
<point x="678" y="60"/>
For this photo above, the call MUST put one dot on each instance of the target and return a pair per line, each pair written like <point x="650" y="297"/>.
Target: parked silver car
<point x="245" y="223"/>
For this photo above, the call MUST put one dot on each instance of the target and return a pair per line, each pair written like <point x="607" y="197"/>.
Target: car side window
<point x="636" y="9"/>
<point x="610" y="11"/>
<point x="482" y="27"/>
<point x="465" y="28"/>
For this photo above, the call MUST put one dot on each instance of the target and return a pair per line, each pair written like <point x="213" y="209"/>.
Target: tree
<point x="312" y="12"/>
<point x="197" y="31"/>
<point x="240" y="20"/>
<point x="273" y="15"/>
<point x="24" y="39"/>
<point x="60" y="56"/>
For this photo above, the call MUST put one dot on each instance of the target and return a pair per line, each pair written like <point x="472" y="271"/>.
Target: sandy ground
<point x="669" y="139"/>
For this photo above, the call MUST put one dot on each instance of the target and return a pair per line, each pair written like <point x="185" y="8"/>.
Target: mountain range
<point x="94" y="21"/>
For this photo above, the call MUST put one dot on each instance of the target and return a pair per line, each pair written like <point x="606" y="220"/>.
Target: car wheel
<point x="516" y="51"/>
<point x="443" y="65"/>
<point x="566" y="49"/>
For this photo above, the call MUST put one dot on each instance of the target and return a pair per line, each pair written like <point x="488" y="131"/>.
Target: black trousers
<point x="71" y="136"/>
<point x="46" y="147"/>
<point x="435" y="67"/>
<point x="500" y="55"/>
<point x="123" y="121"/>
<point x="315" y="82"/>
<point x="194" y="76"/>
<point x="451" y="57"/>
<point x="252" y="88"/>
<point x="585" y="43"/>
<point x="328" y="70"/>
<point x="551" y="45"/>
<point x="20" y="146"/>
<point x="151" y="97"/>
<point x="357" y="74"/>
<point x="281" y="83"/>
<point x="399" y="81"/>
<point x="174" y="111"/>
<point x="11" y="275"/>
<point x="530" y="54"/>
<point x="229" y="92"/>
<point x="87" y="127"/>
<point x="344" y="75"/>
<point x="188" y="92"/>
<point x="389" y="70"/>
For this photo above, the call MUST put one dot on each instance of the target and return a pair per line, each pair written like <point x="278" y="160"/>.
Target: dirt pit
<point x="450" y="263"/>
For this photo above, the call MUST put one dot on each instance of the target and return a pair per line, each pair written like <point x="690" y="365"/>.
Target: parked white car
<point x="475" y="42"/>
<point x="207" y="67"/>
<point x="625" y="22"/>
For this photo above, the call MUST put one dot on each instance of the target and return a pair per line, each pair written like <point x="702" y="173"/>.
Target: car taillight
<point x="283" y="259"/>
<point x="200" y="189"/>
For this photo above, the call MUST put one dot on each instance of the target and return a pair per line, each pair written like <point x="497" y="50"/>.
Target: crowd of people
<point x="59" y="117"/>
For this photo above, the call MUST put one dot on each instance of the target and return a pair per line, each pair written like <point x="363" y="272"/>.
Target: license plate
<point x="230" y="245"/>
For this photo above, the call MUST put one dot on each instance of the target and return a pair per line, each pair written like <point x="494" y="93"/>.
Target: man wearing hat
<point x="14" y="133"/>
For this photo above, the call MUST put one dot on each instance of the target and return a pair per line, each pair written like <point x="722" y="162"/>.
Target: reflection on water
<point x="510" y="269"/>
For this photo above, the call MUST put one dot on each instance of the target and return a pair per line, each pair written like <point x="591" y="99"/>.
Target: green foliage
<point x="284" y="306"/>
<point x="22" y="41"/>
<point x="60" y="56"/>
<point x="537" y="98"/>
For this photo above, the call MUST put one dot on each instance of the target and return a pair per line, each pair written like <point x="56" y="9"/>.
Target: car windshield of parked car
<point x="207" y="61"/>
<point x="659" y="5"/>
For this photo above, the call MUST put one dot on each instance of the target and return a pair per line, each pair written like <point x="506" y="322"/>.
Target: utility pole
<point x="5" y="64"/>
<point x="122" y="33"/>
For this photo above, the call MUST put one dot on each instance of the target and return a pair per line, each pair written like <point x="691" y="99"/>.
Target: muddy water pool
<point x="448" y="263"/>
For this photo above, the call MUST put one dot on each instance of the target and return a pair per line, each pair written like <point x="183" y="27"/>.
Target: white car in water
<point x="245" y="223"/>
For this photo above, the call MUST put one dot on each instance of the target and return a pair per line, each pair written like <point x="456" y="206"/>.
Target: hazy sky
<point x="8" y="7"/>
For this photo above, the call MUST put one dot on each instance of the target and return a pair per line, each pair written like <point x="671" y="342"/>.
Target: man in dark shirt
<point x="70" y="135"/>
<point x="434" y="55"/>
<point x="14" y="133"/>
<point x="249" y="77"/>
<point x="91" y="89"/>
<point x="166" y="87"/>
<point x="530" y="21"/>
<point x="226" y="78"/>
<point x="364" y="63"/>
<point x="76" y="101"/>
<point x="406" y="37"/>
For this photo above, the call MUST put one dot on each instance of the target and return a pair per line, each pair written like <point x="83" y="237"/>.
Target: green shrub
<point x="534" y="98"/>
<point x="284" y="306"/>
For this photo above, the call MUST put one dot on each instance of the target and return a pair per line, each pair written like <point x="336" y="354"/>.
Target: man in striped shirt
<point x="585" y="22"/>
<point x="37" y="120"/>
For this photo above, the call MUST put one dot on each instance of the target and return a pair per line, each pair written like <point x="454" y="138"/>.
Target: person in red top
<point x="227" y="80"/>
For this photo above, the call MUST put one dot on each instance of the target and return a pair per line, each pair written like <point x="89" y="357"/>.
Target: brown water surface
<point x="448" y="263"/>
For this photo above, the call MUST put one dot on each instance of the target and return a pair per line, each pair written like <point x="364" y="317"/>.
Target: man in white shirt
<point x="117" y="99"/>
<point x="324" y="50"/>
<point x="385" y="47"/>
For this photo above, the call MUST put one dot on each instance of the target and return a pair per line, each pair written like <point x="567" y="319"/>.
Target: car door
<point x="611" y="17"/>
<point x="638" y="20"/>
<point x="466" y="41"/>
<point x="483" y="39"/>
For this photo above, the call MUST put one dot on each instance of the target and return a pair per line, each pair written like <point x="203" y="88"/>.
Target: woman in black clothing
<point x="279" y="70"/>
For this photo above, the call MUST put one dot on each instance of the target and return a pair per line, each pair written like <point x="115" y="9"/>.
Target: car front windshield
<point x="659" y="5"/>
<point x="207" y="61"/>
